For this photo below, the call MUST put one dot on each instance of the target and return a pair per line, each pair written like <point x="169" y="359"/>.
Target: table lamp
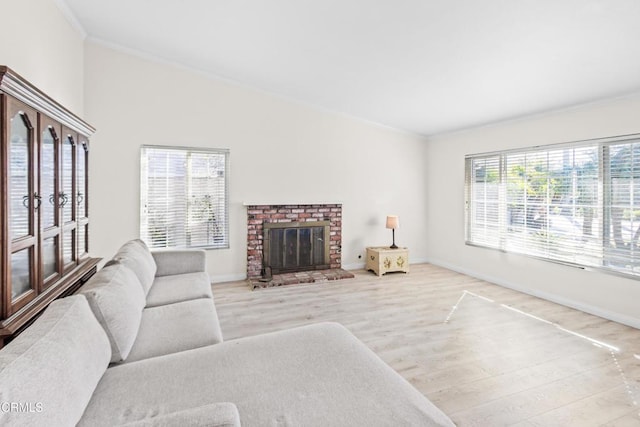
<point x="393" y="223"/>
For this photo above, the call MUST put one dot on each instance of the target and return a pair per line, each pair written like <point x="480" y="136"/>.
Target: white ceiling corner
<point x="71" y="17"/>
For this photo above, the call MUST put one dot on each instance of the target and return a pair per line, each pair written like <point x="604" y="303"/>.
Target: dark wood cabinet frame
<point x="41" y="114"/>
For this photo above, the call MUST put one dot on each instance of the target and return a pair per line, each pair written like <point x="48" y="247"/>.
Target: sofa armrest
<point x="224" y="414"/>
<point x="179" y="261"/>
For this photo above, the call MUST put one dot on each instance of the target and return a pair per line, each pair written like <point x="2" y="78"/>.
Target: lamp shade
<point x="393" y="222"/>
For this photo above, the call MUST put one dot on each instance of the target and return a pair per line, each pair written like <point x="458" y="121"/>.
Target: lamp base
<point x="393" y="242"/>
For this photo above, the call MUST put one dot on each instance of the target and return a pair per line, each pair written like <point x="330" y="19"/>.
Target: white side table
<point x="383" y="259"/>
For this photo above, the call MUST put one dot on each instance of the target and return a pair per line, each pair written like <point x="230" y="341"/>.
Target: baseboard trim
<point x="354" y="266"/>
<point x="587" y="308"/>
<point x="228" y="278"/>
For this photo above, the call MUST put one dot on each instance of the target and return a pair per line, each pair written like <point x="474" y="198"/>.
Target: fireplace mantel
<point x="303" y="203"/>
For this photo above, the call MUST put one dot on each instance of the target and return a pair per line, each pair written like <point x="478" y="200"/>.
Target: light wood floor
<point x="486" y="355"/>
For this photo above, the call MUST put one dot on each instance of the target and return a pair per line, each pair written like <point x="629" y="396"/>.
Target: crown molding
<point x="13" y="84"/>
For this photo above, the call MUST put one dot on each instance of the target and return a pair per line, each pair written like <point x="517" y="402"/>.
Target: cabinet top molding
<point x="13" y="84"/>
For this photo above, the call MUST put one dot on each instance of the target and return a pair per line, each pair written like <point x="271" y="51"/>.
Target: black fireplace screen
<point x="296" y="246"/>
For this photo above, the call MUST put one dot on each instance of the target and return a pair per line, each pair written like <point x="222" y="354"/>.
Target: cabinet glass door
<point x="49" y="250"/>
<point x="24" y="202"/>
<point x="49" y="213"/>
<point x="19" y="177"/>
<point x="81" y="181"/>
<point x="66" y="195"/>
<point x="68" y="255"/>
<point x="67" y="199"/>
<point x="21" y="273"/>
<point x="82" y="213"/>
<point x="48" y="179"/>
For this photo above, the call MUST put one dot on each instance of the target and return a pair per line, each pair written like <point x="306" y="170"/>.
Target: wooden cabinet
<point x="383" y="259"/>
<point x="43" y="202"/>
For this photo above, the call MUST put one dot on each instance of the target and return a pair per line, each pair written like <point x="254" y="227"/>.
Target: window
<point x="184" y="197"/>
<point x="576" y="203"/>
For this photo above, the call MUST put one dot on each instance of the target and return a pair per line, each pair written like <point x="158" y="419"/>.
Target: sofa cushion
<point x="53" y="366"/>
<point x="318" y="375"/>
<point x="135" y="255"/>
<point x="224" y="414"/>
<point x="117" y="300"/>
<point x="179" y="261"/>
<point x="178" y="288"/>
<point x="176" y="327"/>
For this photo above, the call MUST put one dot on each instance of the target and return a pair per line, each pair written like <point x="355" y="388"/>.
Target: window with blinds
<point x="576" y="203"/>
<point x="184" y="197"/>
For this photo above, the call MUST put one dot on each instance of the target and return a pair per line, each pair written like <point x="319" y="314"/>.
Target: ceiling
<point x="424" y="66"/>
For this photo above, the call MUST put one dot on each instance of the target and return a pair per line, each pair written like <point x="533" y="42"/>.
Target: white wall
<point x="599" y="293"/>
<point x="373" y="171"/>
<point x="281" y="152"/>
<point x="39" y="43"/>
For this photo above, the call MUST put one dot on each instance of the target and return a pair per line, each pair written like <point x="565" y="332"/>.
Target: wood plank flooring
<point x="484" y="354"/>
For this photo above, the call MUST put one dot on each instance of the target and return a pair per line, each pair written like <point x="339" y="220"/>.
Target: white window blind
<point x="184" y="197"/>
<point x="575" y="203"/>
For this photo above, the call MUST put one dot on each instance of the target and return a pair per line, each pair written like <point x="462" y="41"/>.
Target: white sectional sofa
<point x="152" y="304"/>
<point x="141" y="345"/>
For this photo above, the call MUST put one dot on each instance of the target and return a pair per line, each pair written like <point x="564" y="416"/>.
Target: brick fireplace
<point x="290" y="217"/>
